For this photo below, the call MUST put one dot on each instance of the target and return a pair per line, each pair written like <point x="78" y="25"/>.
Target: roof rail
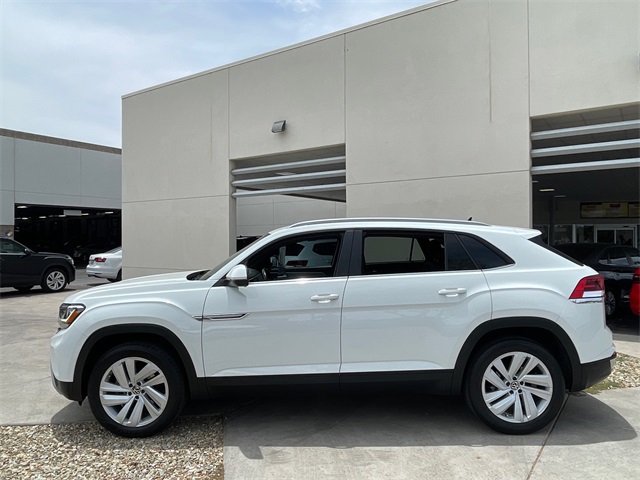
<point x="387" y="219"/>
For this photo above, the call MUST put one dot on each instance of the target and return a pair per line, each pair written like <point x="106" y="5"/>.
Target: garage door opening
<point x="586" y="176"/>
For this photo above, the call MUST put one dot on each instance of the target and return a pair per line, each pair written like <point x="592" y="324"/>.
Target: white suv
<point x="441" y="307"/>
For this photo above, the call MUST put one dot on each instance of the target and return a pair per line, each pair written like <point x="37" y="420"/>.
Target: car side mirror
<point x="237" y="276"/>
<point x="27" y="252"/>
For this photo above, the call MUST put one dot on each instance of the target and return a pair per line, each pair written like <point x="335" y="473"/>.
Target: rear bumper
<point x="593" y="372"/>
<point x="101" y="272"/>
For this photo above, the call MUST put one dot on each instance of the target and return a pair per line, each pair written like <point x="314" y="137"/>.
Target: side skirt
<point x="424" y="382"/>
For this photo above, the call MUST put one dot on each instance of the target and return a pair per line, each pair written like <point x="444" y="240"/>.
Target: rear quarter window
<point x="485" y="255"/>
<point x="538" y="241"/>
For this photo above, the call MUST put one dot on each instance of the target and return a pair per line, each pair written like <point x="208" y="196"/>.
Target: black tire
<point x="54" y="279"/>
<point x="117" y="279"/>
<point x="543" y="402"/>
<point x="171" y="388"/>
<point x="610" y="302"/>
<point x="24" y="289"/>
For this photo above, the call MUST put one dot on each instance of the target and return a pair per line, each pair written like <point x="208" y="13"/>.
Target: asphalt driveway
<point x="323" y="437"/>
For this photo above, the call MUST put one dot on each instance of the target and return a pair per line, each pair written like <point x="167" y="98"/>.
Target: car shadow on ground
<point x="343" y="422"/>
<point x="35" y="291"/>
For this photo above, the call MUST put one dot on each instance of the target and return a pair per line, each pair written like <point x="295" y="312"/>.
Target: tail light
<point x="589" y="289"/>
<point x="100" y="259"/>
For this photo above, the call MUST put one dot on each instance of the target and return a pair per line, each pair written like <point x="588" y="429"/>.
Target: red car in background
<point x="634" y="295"/>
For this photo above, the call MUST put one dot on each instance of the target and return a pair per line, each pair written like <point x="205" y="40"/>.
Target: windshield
<point x="220" y="265"/>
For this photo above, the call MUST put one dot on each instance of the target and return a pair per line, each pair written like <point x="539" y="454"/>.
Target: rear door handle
<point x="325" y="298"/>
<point x="452" y="292"/>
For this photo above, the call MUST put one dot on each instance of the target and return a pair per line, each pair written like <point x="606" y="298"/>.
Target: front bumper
<point x="70" y="390"/>
<point x="594" y="372"/>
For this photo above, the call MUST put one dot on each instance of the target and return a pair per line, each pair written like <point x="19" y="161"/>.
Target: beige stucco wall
<point x="442" y="100"/>
<point x="175" y="198"/>
<point x="583" y="54"/>
<point x="304" y="86"/>
<point x="433" y="106"/>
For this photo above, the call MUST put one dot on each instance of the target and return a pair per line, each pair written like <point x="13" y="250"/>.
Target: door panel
<point x="410" y="322"/>
<point x="285" y="331"/>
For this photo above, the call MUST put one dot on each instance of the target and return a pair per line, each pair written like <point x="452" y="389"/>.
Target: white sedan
<point x="106" y="265"/>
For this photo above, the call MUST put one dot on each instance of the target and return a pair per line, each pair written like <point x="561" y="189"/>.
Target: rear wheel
<point x="118" y="277"/>
<point x="516" y="387"/>
<point x="136" y="390"/>
<point x="54" y="280"/>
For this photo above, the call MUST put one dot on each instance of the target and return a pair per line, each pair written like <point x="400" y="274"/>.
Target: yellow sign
<point x="604" y="210"/>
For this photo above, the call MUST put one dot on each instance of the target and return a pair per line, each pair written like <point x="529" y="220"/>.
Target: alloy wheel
<point x="609" y="303"/>
<point x="55" y="280"/>
<point x="134" y="392"/>
<point x="517" y="387"/>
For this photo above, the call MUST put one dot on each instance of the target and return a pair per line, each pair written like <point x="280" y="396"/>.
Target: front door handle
<point x="325" y="298"/>
<point x="452" y="292"/>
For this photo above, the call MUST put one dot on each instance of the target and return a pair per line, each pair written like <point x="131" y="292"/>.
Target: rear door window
<point x="413" y="252"/>
<point x="385" y="253"/>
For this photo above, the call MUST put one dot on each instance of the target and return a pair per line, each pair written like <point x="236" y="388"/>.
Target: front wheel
<point x="54" y="280"/>
<point x="516" y="387"/>
<point x="136" y="390"/>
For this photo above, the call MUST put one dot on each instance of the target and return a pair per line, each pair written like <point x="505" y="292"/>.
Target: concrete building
<point x="57" y="193"/>
<point x="511" y="112"/>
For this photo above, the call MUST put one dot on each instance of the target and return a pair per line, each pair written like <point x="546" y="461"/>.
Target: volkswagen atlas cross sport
<point x="442" y="307"/>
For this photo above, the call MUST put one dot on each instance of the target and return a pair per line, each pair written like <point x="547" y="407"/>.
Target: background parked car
<point x="81" y="253"/>
<point x="106" y="265"/>
<point x="634" y="296"/>
<point x="616" y="263"/>
<point x="23" y="268"/>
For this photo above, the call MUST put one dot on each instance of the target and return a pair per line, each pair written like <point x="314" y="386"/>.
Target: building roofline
<point x="58" y="141"/>
<point x="378" y="21"/>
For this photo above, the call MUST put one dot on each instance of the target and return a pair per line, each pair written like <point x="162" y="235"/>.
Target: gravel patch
<point x="625" y="374"/>
<point x="190" y="449"/>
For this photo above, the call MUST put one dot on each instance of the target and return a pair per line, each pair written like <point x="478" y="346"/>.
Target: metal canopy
<point x="299" y="175"/>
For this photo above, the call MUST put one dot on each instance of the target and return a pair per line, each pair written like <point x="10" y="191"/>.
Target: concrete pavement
<point x="428" y="437"/>
<point x="399" y="437"/>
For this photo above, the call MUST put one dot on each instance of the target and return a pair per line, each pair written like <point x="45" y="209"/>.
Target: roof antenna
<point x="469" y="219"/>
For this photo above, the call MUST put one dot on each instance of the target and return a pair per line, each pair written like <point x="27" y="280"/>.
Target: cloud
<point x="300" y="6"/>
<point x="66" y="64"/>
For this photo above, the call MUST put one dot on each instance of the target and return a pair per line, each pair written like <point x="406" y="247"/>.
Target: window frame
<point x="345" y="238"/>
<point x="356" y="264"/>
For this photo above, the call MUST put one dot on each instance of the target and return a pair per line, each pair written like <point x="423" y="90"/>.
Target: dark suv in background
<point x="22" y="268"/>
<point x="616" y="263"/>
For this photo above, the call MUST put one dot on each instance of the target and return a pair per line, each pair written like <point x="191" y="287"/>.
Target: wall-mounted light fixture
<point x="279" y="126"/>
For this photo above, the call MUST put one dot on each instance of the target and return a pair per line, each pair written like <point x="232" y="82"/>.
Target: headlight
<point x="68" y="312"/>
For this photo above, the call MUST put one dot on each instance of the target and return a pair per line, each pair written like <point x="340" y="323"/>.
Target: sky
<point x="65" y="65"/>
